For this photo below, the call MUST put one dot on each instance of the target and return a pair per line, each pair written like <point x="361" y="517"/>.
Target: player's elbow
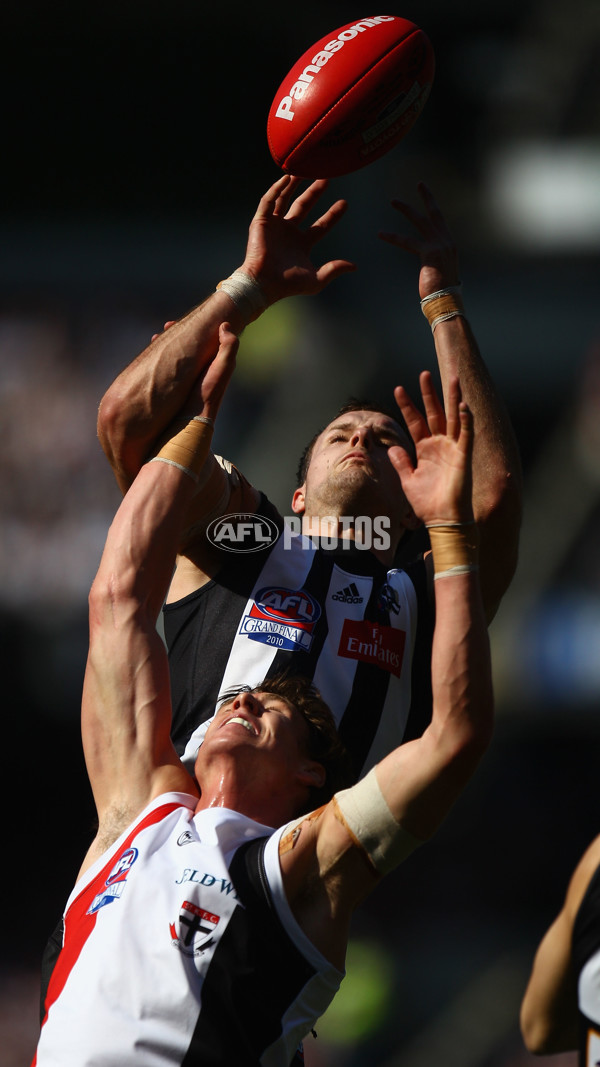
<point x="109" y="424"/>
<point x="464" y="743"/>
<point x="120" y="451"/>
<point x="501" y="499"/>
<point x="469" y="749"/>
<point x="538" y="1036"/>
<point x="548" y="1026"/>
<point x="534" y="1039"/>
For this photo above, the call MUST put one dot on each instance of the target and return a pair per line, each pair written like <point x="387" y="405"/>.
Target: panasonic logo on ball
<point x="284" y="109"/>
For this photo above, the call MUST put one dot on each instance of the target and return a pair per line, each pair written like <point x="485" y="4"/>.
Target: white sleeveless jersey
<point x="180" y="949"/>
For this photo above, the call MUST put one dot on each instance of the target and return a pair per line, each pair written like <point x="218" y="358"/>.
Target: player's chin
<point x="357" y="468"/>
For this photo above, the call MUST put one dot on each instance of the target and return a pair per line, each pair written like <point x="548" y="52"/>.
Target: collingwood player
<point x="561" y="1007"/>
<point x="351" y="620"/>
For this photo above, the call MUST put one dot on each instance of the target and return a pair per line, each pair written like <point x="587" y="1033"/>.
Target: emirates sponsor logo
<point x="370" y="642"/>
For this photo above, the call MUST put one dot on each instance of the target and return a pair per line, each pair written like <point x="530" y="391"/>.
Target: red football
<point x="351" y="97"/>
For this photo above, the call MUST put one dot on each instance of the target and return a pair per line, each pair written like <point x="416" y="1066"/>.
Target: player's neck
<point x="368" y="535"/>
<point x="229" y="790"/>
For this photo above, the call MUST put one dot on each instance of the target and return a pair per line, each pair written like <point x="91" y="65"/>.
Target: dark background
<point x="134" y="152"/>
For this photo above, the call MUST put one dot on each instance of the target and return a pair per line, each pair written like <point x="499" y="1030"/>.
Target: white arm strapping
<point x="364" y="812"/>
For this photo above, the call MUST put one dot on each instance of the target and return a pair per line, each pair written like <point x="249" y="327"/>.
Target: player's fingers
<point x="303" y="203"/>
<point x="429" y="201"/>
<point x="219" y="372"/>
<point x="434" y="410"/>
<point x="333" y="269"/>
<point x="409" y="244"/>
<point x="452" y="404"/>
<point x="466" y="436"/>
<point x="401" y="461"/>
<point x="328" y="220"/>
<point x="285" y="197"/>
<point x="166" y="326"/>
<point x="433" y="209"/>
<point x="416" y="218"/>
<point x="415" y="422"/>
<point x="267" y="202"/>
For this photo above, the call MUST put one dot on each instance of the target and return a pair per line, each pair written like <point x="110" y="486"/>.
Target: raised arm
<point x="549" y="1011"/>
<point x="151" y="391"/>
<point x="421" y="780"/>
<point x="126" y="710"/>
<point x="342" y="853"/>
<point x="497" y="480"/>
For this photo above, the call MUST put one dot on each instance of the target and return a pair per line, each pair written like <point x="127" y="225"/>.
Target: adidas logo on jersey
<point x="349" y="595"/>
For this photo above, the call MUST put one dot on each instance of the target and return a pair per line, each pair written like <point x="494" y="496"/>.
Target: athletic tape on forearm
<point x="189" y="448"/>
<point x="246" y="294"/>
<point x="364" y="812"/>
<point x="443" y="305"/>
<point x="455" y="548"/>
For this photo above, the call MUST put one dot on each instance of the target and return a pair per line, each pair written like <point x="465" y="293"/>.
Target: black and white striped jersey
<point x="586" y="964"/>
<point x="360" y="632"/>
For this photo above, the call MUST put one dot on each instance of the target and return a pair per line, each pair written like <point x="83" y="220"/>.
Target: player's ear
<point x="299" y="500"/>
<point x="312" y="774"/>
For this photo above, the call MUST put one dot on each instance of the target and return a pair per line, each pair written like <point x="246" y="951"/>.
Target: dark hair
<point x="352" y="404"/>
<point x="324" y="744"/>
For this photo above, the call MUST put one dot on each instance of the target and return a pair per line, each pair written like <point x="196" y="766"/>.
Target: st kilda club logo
<point x="193" y="931"/>
<point x="242" y="532"/>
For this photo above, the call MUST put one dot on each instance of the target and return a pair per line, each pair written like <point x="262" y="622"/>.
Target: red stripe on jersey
<point x="78" y="924"/>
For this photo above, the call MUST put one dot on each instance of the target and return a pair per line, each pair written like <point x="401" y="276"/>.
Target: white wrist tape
<point x="365" y="814"/>
<point x="246" y="294"/>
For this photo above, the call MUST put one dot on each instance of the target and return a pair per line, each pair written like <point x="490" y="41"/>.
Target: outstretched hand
<point x="439" y="486"/>
<point x="278" y="254"/>
<point x="432" y="243"/>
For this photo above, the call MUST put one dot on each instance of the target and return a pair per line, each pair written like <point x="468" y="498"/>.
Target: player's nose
<point x="248" y="702"/>
<point x="361" y="435"/>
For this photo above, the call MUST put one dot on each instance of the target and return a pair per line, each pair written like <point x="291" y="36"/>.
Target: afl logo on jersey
<point x="122" y="866"/>
<point x="115" y="883"/>
<point x="242" y="532"/>
<point x="281" y="617"/>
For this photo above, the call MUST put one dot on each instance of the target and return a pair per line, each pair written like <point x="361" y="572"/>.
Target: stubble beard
<point x="349" y="493"/>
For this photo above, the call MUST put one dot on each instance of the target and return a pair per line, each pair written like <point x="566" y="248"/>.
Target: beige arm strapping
<point x="189" y="447"/>
<point x="364" y="812"/>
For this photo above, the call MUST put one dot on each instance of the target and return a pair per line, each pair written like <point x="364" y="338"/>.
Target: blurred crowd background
<point x="134" y="155"/>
